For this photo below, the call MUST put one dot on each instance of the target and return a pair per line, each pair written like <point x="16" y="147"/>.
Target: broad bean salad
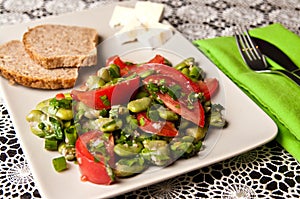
<point x="128" y="117"/>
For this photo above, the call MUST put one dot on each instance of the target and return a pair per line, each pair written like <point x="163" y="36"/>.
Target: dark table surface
<point x="265" y="172"/>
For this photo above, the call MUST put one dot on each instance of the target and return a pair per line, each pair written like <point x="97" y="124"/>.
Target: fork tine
<point x="255" y="49"/>
<point x="246" y="44"/>
<point x="249" y="51"/>
<point x="241" y="44"/>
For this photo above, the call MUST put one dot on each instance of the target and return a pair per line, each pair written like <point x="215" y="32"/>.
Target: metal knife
<point x="274" y="53"/>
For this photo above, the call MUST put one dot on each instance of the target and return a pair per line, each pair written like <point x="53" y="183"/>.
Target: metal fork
<point x="254" y="58"/>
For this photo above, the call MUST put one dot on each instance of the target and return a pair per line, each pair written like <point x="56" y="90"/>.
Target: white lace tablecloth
<point x="266" y="172"/>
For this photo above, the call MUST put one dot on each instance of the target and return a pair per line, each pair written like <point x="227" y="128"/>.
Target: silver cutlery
<point x="254" y="58"/>
<point x="277" y="55"/>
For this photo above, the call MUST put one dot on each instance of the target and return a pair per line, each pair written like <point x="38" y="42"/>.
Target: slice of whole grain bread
<point x="17" y="66"/>
<point x="54" y="46"/>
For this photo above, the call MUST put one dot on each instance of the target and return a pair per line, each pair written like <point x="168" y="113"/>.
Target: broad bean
<point x="103" y="73"/>
<point x="128" y="167"/>
<point x="195" y="72"/>
<point x="105" y="124"/>
<point x="94" y="81"/>
<point x="36" y="116"/>
<point x="186" y="63"/>
<point x="124" y="150"/>
<point x="42" y="104"/>
<point x="197" y="132"/>
<point x="157" y="152"/>
<point x="64" y="114"/>
<point x="67" y="150"/>
<point x="167" y="114"/>
<point x="139" y="105"/>
<point x="36" y="119"/>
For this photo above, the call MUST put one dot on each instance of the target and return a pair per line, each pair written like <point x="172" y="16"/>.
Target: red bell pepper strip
<point x="105" y="97"/>
<point x="94" y="169"/>
<point x="60" y="96"/>
<point x="162" y="128"/>
<point x="124" y="66"/>
<point x="158" y="59"/>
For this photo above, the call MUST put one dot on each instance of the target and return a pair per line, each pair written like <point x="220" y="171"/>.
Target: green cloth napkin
<point x="277" y="95"/>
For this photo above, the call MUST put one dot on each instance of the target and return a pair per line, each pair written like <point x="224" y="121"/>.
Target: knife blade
<point x="274" y="53"/>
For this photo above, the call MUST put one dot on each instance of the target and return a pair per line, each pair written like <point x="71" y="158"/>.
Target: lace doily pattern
<point x="266" y="172"/>
<point x="15" y="177"/>
<point x="223" y="15"/>
<point x="195" y="19"/>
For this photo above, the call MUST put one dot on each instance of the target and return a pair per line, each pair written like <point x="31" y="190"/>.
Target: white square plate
<point x="249" y="126"/>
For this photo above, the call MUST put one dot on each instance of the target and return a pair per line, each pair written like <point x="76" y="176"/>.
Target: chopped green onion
<point x="142" y="121"/>
<point x="103" y="112"/>
<point x="51" y="145"/>
<point x="71" y="135"/>
<point x="105" y="100"/>
<point x="146" y="73"/>
<point x="59" y="163"/>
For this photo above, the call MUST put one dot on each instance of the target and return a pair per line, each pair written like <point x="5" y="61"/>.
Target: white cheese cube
<point x="130" y="31"/>
<point x="141" y="23"/>
<point x="156" y="35"/>
<point x="148" y="12"/>
<point x="121" y="16"/>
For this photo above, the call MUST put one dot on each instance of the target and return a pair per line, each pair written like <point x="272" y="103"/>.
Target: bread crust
<point x="17" y="67"/>
<point x="52" y="38"/>
<point x="37" y="83"/>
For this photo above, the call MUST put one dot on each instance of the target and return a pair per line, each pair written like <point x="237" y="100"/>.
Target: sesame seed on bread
<point x="56" y="46"/>
<point x="17" y="66"/>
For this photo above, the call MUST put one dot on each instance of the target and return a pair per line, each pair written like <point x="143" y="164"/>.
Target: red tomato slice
<point x="162" y="128"/>
<point x="209" y="87"/>
<point x="168" y="71"/>
<point x="195" y="115"/>
<point x="92" y="170"/>
<point x="104" y="98"/>
<point x="169" y="81"/>
<point x="125" y="68"/>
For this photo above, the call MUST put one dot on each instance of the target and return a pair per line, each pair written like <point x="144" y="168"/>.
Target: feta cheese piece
<point x="156" y="35"/>
<point x="130" y="32"/>
<point x="121" y="16"/>
<point x="148" y="12"/>
<point x="141" y="23"/>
